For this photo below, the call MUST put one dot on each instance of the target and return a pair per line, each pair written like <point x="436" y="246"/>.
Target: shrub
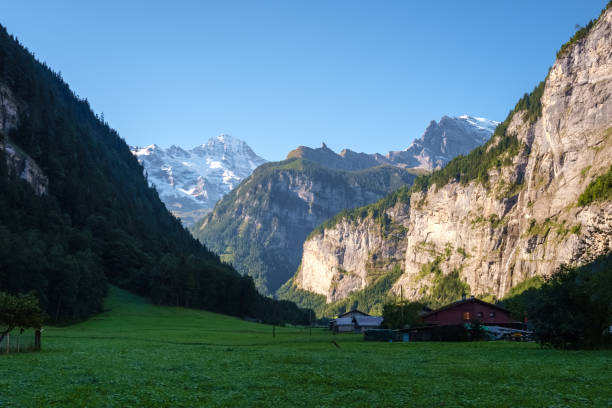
<point x="599" y="189"/>
<point x="572" y="308"/>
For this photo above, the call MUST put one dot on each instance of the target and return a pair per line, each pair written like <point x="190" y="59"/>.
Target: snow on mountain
<point x="444" y="140"/>
<point x="190" y="182"/>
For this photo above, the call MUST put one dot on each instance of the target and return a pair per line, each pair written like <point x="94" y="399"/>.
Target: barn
<point x="470" y="309"/>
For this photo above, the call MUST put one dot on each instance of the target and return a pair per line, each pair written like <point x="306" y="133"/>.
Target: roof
<point x="353" y="311"/>
<point x="462" y="301"/>
<point x="341" y="321"/>
<point x="368" y="320"/>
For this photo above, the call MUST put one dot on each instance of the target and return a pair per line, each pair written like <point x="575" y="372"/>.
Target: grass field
<point x="136" y="354"/>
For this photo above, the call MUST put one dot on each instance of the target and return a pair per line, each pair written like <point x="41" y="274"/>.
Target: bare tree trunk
<point x="57" y="311"/>
<point x="8" y="343"/>
<point x="37" y="339"/>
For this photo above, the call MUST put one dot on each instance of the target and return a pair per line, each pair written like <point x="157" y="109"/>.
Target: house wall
<point x="454" y="315"/>
<point x="361" y="329"/>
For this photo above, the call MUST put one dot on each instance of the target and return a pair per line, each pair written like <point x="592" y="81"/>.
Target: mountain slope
<point x="190" y="182"/>
<point x="261" y="225"/>
<point x="91" y="217"/>
<point x="533" y="198"/>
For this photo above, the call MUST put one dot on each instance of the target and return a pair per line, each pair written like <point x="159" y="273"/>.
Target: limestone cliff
<point x="261" y="225"/>
<point x="516" y="219"/>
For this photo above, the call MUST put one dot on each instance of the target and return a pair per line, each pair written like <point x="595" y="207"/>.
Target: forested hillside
<point x="98" y="221"/>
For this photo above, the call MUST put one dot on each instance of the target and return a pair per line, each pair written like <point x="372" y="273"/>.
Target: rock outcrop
<point x="18" y="162"/>
<point x="521" y="220"/>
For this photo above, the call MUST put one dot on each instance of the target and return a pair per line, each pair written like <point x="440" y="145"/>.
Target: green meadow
<point x="139" y="355"/>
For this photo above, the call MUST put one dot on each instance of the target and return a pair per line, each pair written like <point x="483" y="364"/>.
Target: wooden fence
<point x="16" y="342"/>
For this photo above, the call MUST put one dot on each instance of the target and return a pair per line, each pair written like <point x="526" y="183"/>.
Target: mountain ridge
<point x="439" y="143"/>
<point x="190" y="182"/>
<point x="261" y="225"/>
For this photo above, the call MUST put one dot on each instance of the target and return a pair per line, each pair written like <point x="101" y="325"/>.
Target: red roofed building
<point x="466" y="310"/>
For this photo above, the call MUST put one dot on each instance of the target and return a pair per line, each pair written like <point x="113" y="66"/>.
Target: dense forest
<point x="99" y="222"/>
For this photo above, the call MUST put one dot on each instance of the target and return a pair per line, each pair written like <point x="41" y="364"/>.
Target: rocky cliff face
<point x="260" y="226"/>
<point x="190" y="182"/>
<point x="522" y="221"/>
<point x="18" y="161"/>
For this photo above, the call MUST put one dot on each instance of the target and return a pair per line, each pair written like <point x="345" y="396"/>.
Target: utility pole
<point x="402" y="303"/>
<point x="310" y="321"/>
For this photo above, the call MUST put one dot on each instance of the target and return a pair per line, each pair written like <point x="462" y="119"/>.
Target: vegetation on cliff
<point x="580" y="34"/>
<point x="599" y="189"/>
<point x="497" y="152"/>
<point x="371" y="299"/>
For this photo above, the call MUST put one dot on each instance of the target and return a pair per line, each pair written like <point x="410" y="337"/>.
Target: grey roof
<point x="342" y="321"/>
<point x="353" y="312"/>
<point x="372" y="321"/>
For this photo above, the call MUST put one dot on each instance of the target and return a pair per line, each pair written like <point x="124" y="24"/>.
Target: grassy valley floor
<point x="136" y="355"/>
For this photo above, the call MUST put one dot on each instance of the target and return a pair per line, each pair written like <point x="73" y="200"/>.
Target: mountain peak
<point x="144" y="151"/>
<point x="482" y="123"/>
<point x="443" y="140"/>
<point x="190" y="182"/>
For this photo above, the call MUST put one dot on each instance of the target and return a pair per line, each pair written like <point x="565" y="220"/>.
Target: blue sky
<point x="367" y="75"/>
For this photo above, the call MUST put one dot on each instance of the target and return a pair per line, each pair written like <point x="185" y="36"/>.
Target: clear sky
<point x="367" y="75"/>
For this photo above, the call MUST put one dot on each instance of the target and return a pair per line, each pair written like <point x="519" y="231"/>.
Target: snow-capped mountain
<point x="190" y="182"/>
<point x="444" y="140"/>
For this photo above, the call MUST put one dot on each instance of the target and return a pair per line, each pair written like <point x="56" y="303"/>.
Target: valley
<point x="136" y="354"/>
<point x="470" y="268"/>
<point x="260" y="227"/>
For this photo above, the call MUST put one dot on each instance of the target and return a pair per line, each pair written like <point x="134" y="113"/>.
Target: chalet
<point x="466" y="310"/>
<point x="355" y="321"/>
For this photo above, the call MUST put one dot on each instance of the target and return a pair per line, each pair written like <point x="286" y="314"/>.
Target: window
<point x="480" y="315"/>
<point x="492" y="315"/>
<point x="466" y="315"/>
